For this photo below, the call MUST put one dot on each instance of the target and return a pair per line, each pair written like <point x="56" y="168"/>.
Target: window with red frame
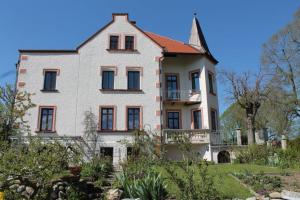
<point x="46" y="119"/>
<point x="133" y="118"/>
<point x="107" y="118"/>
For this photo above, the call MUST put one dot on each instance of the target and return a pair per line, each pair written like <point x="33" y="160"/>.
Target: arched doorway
<point x="223" y="157"/>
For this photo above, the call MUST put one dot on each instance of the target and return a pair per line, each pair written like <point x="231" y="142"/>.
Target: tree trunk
<point x="251" y="130"/>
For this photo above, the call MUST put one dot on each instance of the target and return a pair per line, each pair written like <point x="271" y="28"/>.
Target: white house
<point x="131" y="79"/>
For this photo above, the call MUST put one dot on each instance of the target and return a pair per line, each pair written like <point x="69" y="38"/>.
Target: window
<point x="114" y="42"/>
<point x="195" y="82"/>
<point x="107" y="118"/>
<point x="107" y="152"/>
<point x="213" y="116"/>
<point x="133" y="80"/>
<point x="133" y="118"/>
<point x="173" y="120"/>
<point x="50" y="80"/>
<point x="172" y="87"/>
<point x="197" y="119"/>
<point x="108" y="79"/>
<point x="46" y="119"/>
<point x="211" y="82"/>
<point x="129" y="42"/>
<point x="129" y="152"/>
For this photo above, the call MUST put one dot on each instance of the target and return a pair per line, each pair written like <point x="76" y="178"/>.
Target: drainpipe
<point x="6" y="137"/>
<point x="161" y="103"/>
<point x="17" y="74"/>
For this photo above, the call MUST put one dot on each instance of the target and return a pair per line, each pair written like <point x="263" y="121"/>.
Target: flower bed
<point x="261" y="183"/>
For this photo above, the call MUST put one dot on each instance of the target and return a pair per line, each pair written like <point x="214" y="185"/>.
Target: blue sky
<point x="234" y="29"/>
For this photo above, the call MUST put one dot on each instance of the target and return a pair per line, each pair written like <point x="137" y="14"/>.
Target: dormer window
<point x="114" y="42"/>
<point x="129" y="42"/>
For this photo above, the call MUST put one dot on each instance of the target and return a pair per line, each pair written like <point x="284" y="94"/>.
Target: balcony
<point x="186" y="97"/>
<point x="172" y="136"/>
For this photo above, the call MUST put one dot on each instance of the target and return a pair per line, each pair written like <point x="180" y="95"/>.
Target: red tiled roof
<point x="172" y="46"/>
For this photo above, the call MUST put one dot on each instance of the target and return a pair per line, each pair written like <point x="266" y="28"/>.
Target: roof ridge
<point x="167" y="38"/>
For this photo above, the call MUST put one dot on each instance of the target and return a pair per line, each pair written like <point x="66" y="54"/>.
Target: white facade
<point x="79" y="78"/>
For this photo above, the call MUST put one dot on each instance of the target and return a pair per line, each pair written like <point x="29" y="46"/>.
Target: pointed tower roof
<point x="197" y="39"/>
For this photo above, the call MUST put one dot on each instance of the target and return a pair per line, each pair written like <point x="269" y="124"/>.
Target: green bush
<point x="97" y="169"/>
<point x="36" y="161"/>
<point x="271" y="156"/>
<point x="289" y="158"/>
<point x="192" y="179"/>
<point x="152" y="186"/>
<point x="74" y="194"/>
<point x="256" y="154"/>
<point x="294" y="144"/>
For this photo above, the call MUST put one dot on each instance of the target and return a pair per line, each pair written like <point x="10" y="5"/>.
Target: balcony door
<point x="173" y="120"/>
<point x="172" y="87"/>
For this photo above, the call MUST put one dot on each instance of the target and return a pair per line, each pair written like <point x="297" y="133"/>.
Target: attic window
<point x="114" y="42"/>
<point x="129" y="42"/>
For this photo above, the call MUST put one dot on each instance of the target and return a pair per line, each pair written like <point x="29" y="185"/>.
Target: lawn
<point x="227" y="186"/>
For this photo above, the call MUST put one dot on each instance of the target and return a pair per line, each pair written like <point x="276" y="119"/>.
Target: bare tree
<point x="281" y="59"/>
<point x="273" y="114"/>
<point x="249" y="94"/>
<point x="88" y="143"/>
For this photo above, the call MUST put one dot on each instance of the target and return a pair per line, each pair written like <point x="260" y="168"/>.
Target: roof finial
<point x="195" y="14"/>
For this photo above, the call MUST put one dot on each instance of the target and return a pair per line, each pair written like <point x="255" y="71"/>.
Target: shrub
<point x="73" y="194"/>
<point x="144" y="155"/>
<point x="193" y="180"/>
<point x="37" y="163"/>
<point x="294" y="144"/>
<point x="256" y="154"/>
<point x="272" y="156"/>
<point x="152" y="186"/>
<point x="97" y="169"/>
<point x="289" y="158"/>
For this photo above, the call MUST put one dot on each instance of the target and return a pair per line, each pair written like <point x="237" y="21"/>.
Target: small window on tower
<point x="197" y="118"/>
<point x="195" y="81"/>
<point x="211" y="83"/>
<point x="214" y="122"/>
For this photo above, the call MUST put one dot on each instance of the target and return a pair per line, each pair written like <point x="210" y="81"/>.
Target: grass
<point x="226" y="185"/>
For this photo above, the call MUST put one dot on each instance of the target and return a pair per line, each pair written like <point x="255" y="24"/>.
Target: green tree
<point x="13" y="107"/>
<point x="231" y="119"/>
